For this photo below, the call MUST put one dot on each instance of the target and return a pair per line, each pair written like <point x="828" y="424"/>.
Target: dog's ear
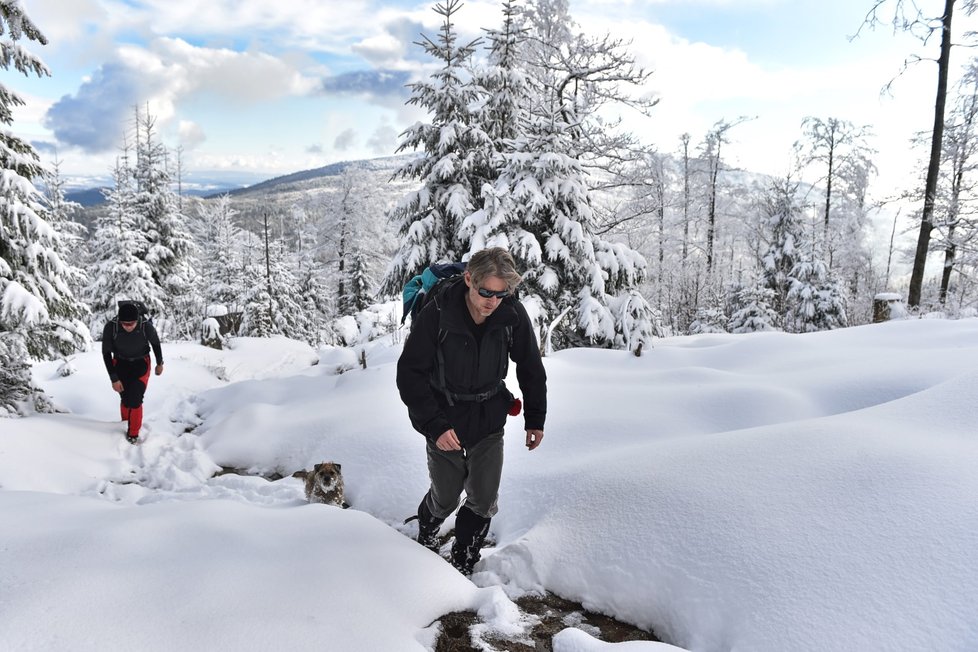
<point x="300" y="474"/>
<point x="316" y="468"/>
<point x="339" y="468"/>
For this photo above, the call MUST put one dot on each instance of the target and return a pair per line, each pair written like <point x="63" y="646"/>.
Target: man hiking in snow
<point x="450" y="375"/>
<point x="126" y="340"/>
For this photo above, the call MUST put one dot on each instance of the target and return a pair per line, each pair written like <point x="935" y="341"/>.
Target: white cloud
<point x="345" y="140"/>
<point x="383" y="141"/>
<point x="191" y="134"/>
<point x="242" y="76"/>
<point x="62" y="21"/>
<point x="382" y="50"/>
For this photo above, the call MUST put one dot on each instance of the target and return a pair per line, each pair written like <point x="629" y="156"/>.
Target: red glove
<point x="515" y="407"/>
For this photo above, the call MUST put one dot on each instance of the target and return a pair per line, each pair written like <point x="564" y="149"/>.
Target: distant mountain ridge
<point x="89" y="197"/>
<point x="384" y="163"/>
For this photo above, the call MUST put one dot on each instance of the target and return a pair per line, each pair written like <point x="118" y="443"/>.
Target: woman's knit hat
<point x="128" y="312"/>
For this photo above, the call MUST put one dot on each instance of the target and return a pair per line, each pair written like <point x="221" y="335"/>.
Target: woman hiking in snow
<point x="126" y="340"/>
<point x="450" y="375"/>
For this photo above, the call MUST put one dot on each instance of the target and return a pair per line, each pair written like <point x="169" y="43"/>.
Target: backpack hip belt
<point x="481" y="397"/>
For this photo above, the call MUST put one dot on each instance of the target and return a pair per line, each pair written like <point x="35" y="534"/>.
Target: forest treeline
<point x="523" y="147"/>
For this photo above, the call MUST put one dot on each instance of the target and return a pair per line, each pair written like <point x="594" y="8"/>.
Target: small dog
<point x="324" y="484"/>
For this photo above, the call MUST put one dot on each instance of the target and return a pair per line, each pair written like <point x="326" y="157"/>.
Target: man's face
<point x="128" y="326"/>
<point x="492" y="285"/>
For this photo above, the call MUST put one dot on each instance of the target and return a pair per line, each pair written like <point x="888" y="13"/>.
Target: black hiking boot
<point x="470" y="534"/>
<point x="428" y="527"/>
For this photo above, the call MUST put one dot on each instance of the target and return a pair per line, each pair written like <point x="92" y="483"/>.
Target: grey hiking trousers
<point x="477" y="470"/>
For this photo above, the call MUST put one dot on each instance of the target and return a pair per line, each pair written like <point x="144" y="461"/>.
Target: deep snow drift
<point x="733" y="492"/>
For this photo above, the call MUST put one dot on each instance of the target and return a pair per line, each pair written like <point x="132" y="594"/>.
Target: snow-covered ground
<point x="763" y="492"/>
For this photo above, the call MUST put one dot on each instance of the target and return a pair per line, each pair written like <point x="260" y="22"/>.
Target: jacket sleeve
<point x="530" y="372"/>
<point x="107" y="343"/>
<point x="414" y="368"/>
<point x="154" y="341"/>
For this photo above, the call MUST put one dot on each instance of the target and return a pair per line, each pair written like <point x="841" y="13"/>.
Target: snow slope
<point x="733" y="492"/>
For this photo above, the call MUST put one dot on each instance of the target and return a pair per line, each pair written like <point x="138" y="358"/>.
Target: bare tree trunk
<point x="949" y="253"/>
<point x="268" y="269"/>
<point x="827" y="251"/>
<point x="711" y="229"/>
<point x="889" y="256"/>
<point x="933" y="167"/>
<point x="685" y="140"/>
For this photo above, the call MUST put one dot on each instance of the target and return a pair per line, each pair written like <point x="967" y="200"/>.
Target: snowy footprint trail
<point x="170" y="464"/>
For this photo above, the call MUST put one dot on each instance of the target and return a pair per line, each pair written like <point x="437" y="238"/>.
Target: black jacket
<point x="470" y="369"/>
<point x="128" y="346"/>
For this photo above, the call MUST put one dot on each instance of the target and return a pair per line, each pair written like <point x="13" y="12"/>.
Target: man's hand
<point x="533" y="438"/>
<point x="448" y="441"/>
<point x="117" y="386"/>
<point x="159" y="369"/>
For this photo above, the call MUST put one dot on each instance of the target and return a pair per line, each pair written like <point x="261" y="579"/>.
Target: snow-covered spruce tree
<point x="542" y="205"/>
<point x="815" y="301"/>
<point x="540" y="208"/>
<point x="40" y="316"/>
<point x="752" y="310"/>
<point x="61" y="215"/>
<point x="273" y="302"/>
<point x="312" y="284"/>
<point x="349" y="225"/>
<point x="18" y="394"/>
<point x="218" y="241"/>
<point x="116" y="270"/>
<point x="169" y="250"/>
<point x="456" y="161"/>
<point x="708" y="320"/>
<point x="358" y="283"/>
<point x="503" y="83"/>
<point x="784" y="237"/>
<point x="505" y="89"/>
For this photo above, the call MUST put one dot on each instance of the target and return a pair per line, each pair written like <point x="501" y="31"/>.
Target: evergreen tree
<point x="273" y="301"/>
<point x="455" y="165"/>
<point x="752" y="310"/>
<point x="61" y="215"/>
<point x="784" y="229"/>
<point x="540" y="208"/>
<point x="506" y="89"/>
<point x="503" y="83"/>
<point x="18" y="394"/>
<point x="313" y="290"/>
<point x="358" y="297"/>
<point x="347" y="230"/>
<point x="708" y="320"/>
<point x="40" y="316"/>
<point x="816" y="303"/>
<point x="117" y="271"/>
<point x="219" y="256"/>
<point x="169" y="248"/>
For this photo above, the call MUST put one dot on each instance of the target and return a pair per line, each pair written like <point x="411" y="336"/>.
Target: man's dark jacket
<point x="129" y="346"/>
<point x="470" y="369"/>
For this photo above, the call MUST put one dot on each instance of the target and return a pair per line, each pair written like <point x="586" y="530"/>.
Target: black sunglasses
<point x="489" y="294"/>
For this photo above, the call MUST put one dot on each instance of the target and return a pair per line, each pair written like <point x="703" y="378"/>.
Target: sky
<point x="251" y="89"/>
<point x="763" y="492"/>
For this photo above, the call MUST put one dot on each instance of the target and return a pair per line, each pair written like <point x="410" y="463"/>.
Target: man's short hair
<point x="494" y="261"/>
